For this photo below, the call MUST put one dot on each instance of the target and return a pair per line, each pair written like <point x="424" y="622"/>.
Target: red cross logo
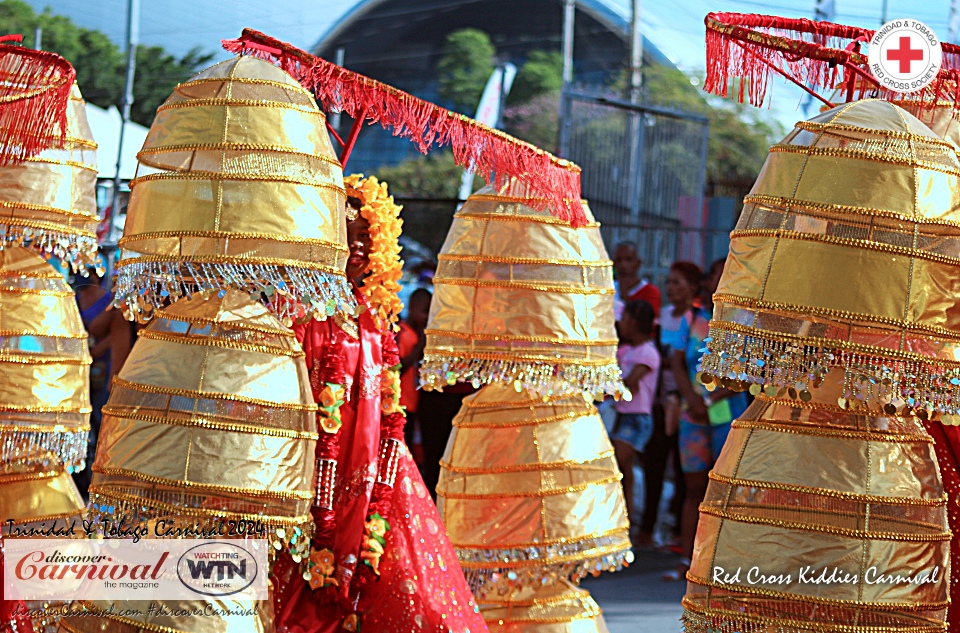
<point x="905" y="55"/>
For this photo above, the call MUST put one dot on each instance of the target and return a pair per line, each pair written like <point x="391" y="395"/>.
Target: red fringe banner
<point x="496" y="155"/>
<point x="819" y="55"/>
<point x="34" y="92"/>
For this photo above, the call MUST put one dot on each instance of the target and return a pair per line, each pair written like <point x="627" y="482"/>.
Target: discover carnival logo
<point x="905" y="55"/>
<point x="158" y="569"/>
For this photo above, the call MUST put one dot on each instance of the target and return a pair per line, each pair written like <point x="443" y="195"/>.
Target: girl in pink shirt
<point x="639" y="363"/>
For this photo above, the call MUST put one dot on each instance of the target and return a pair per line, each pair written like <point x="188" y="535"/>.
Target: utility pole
<point x="38" y="39"/>
<point x="636" y="53"/>
<point x="133" y="32"/>
<point x="883" y="13"/>
<point x="569" y="13"/>
<point x="953" y="22"/>
<point x="338" y="60"/>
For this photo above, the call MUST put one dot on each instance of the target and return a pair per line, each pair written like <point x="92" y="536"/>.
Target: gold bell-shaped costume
<point x="47" y="204"/>
<point x="238" y="198"/>
<point x="837" y="308"/>
<point x="45" y="393"/>
<point x="240" y="162"/>
<point x="529" y="489"/>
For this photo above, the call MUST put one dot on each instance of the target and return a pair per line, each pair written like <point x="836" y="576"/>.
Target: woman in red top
<point x="380" y="555"/>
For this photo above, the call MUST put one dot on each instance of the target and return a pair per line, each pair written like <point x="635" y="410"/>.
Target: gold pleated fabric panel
<point x="521" y="296"/>
<point x="556" y="608"/>
<point x="49" y="201"/>
<point x="237" y="187"/>
<point x="530" y="495"/>
<point x="211" y="416"/>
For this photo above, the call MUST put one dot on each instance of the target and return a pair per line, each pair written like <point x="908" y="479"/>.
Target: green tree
<point x="541" y="73"/>
<point x="434" y="176"/>
<point x="99" y="63"/>
<point x="466" y="65"/>
<point x="535" y="121"/>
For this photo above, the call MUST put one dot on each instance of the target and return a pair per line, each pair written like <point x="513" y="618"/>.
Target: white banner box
<point x="121" y="569"/>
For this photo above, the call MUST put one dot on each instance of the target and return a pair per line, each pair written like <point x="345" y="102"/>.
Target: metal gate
<point x="644" y="174"/>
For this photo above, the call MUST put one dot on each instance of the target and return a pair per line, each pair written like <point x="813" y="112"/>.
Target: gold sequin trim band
<point x="207" y="341"/>
<point x="163" y="314"/>
<point x="532" y="261"/>
<point x="814" y="126"/>
<point x="518" y="404"/>
<point x="884" y="352"/>
<point x="15" y="479"/>
<point x="860" y="154"/>
<point x="834" y="210"/>
<point x="217" y="176"/>
<point x="542" y="358"/>
<point x="45" y="428"/>
<point x="536" y="219"/>
<point x="246" y="80"/>
<point x="33" y="409"/>
<point x="823" y="529"/>
<point x="37" y="359"/>
<point x="793" y="597"/>
<point x="62" y="163"/>
<point x="514" y="337"/>
<point x="193" y="485"/>
<point x="222" y="259"/>
<point x="910" y="326"/>
<point x="276" y="237"/>
<point x="819" y="431"/>
<point x="234" y="147"/>
<point x="519" y="468"/>
<point x="574" y="289"/>
<point x="825" y="492"/>
<point x="549" y="541"/>
<point x="70" y="336"/>
<point x="40" y="292"/>
<point x="204" y="395"/>
<point x="206" y="423"/>
<point x="541" y="493"/>
<point x="533" y="421"/>
<point x="243" y="103"/>
<point x="801" y="625"/>
<point x="71" y="229"/>
<point x="597" y="552"/>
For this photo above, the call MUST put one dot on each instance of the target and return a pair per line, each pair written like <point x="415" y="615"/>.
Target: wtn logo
<point x="223" y="568"/>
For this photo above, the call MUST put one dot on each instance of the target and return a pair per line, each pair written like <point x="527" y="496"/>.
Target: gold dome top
<point x="846" y="254"/>
<point x="48" y="201"/>
<point x="237" y="187"/>
<point x="522" y="296"/>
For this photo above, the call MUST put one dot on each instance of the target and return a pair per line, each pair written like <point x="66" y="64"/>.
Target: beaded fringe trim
<point x="542" y="378"/>
<point x="790" y="370"/>
<point x="726" y="621"/>
<point x="289" y="292"/>
<point x="67" y="447"/>
<point x="292" y="535"/>
<point x="79" y="251"/>
<point x="517" y="568"/>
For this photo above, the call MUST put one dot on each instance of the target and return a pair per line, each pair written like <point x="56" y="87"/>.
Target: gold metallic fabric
<point x="556" y="608"/>
<point x="211" y="416"/>
<point x="530" y="492"/>
<point x="31" y="495"/>
<point x="237" y="187"/>
<point x="815" y="519"/>
<point x="49" y="201"/>
<point x="520" y="295"/>
<point x="221" y="616"/>
<point x="45" y="364"/>
<point x="846" y="254"/>
<point x="937" y="116"/>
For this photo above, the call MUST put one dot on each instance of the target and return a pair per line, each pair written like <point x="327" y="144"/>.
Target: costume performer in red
<point x="379" y="556"/>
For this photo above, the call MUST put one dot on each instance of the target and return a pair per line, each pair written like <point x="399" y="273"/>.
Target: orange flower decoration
<point x="330" y="425"/>
<point x="321" y="569"/>
<point x="382" y="284"/>
<point x="350" y="623"/>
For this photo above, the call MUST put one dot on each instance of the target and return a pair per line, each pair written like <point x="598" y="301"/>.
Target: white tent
<point x="105" y="125"/>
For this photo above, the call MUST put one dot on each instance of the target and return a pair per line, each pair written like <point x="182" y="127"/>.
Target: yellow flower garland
<point x="381" y="286"/>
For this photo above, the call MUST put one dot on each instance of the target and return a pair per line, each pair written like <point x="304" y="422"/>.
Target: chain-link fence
<point x="644" y="171"/>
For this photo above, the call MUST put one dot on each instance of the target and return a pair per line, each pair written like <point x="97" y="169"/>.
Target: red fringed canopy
<point x="34" y="92"/>
<point x="814" y="55"/>
<point x="485" y="150"/>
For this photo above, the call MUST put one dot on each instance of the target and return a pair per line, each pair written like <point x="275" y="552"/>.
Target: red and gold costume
<point x="379" y="554"/>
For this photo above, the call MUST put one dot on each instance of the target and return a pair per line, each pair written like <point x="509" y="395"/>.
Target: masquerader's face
<point x="358" y="241"/>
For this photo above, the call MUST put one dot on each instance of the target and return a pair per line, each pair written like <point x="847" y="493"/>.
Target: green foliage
<point x="99" y="63"/>
<point x="541" y="73"/>
<point x="466" y="65"/>
<point x="433" y="176"/>
<point x="536" y="121"/>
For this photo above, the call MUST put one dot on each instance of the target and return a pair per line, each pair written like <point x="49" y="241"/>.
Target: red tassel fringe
<point x="493" y="153"/>
<point x="819" y="55"/>
<point x="34" y="92"/>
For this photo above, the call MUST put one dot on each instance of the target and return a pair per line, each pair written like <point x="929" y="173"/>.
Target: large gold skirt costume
<point x="825" y="510"/>
<point x="529" y="488"/>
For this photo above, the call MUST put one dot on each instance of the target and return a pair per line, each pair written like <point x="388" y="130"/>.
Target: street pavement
<point x="636" y="600"/>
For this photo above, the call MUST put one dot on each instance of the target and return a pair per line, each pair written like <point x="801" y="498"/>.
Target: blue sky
<point x="676" y="26"/>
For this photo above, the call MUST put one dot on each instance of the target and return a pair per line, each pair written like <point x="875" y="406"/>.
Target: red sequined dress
<point x="420" y="586"/>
